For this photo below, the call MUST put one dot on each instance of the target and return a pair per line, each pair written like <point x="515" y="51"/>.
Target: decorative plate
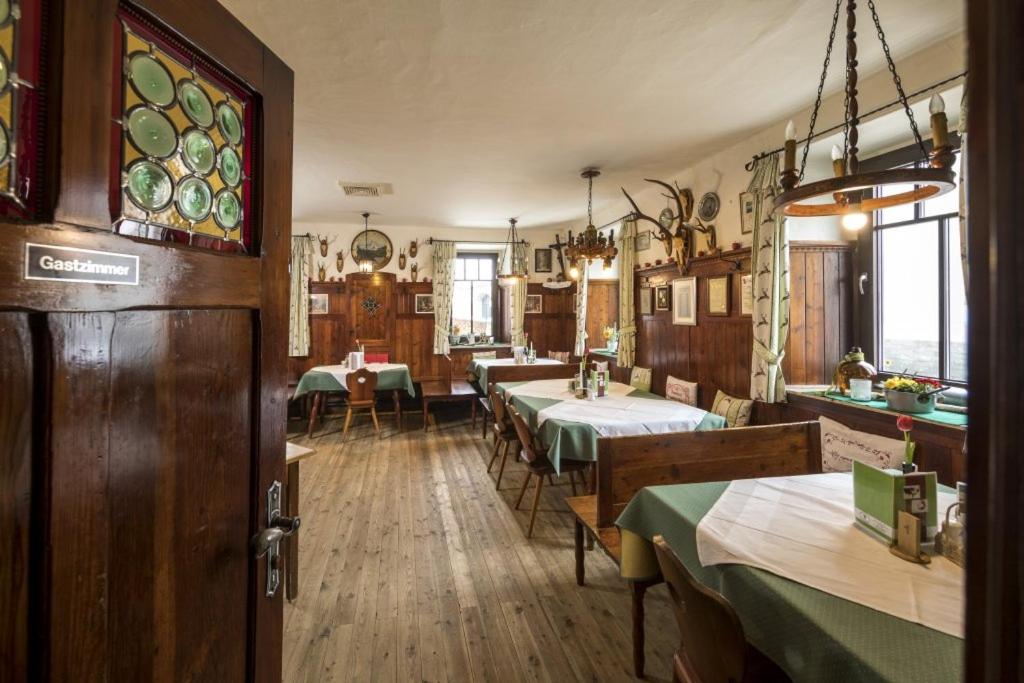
<point x="374" y="245"/>
<point x="708" y="207"/>
<point x="152" y="132"/>
<point x="195" y="103"/>
<point x="149" y="185"/>
<point x="198" y="151"/>
<point x="151" y="79"/>
<point x="227" y="210"/>
<point x="666" y="217"/>
<point x="195" y="199"/>
<point x="229" y="122"/>
<point x="230" y="166"/>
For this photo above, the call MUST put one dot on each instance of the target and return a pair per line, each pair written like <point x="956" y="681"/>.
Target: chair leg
<point x="348" y="421"/>
<point x="522" y="491"/>
<point x="572" y="482"/>
<point x="313" y="412"/>
<point x="373" y="414"/>
<point x="494" y="456"/>
<point x="536" y="503"/>
<point x="426" y="405"/>
<point x="473" y="413"/>
<point x="638" y="589"/>
<point x="580" y="554"/>
<point x="504" y="458"/>
<point x="398" y="409"/>
<point x="483" y="432"/>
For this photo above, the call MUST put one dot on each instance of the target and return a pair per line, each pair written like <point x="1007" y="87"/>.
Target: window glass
<point x="895" y="214"/>
<point x="947" y="203"/>
<point x="910" y="299"/>
<point x="474" y="296"/>
<point x="957" y="307"/>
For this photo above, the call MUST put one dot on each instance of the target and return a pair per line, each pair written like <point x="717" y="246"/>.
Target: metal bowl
<point x="908" y="402"/>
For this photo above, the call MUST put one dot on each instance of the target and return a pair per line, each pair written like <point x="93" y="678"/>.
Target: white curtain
<point x="443" y="257"/>
<point x="581" y="309"/>
<point x="627" y="316"/>
<point x="298" y="311"/>
<point x="517" y="295"/>
<point x="962" y="129"/>
<point x="770" y="269"/>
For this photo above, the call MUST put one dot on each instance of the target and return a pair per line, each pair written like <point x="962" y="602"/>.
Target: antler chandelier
<point x="590" y="244"/>
<point x="514" y="256"/>
<point x="848" y="189"/>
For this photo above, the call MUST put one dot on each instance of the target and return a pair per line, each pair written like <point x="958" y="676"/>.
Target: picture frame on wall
<point x="643" y="241"/>
<point x="319" y="304"/>
<point x="646" y="301"/>
<point x="542" y="262"/>
<point x="718" y="295"/>
<point x="534" y="303"/>
<point x="662" y="298"/>
<point x="748" y="206"/>
<point x="747" y="294"/>
<point x="684" y="301"/>
<point x="424" y="304"/>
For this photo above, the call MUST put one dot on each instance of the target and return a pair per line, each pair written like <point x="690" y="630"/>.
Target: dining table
<point x="568" y="427"/>
<point x="812" y="634"/>
<point x="477" y="367"/>
<point x="393" y="377"/>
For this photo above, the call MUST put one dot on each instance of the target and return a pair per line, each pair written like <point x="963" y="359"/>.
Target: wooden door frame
<point x="995" y="157"/>
<point x="78" y="214"/>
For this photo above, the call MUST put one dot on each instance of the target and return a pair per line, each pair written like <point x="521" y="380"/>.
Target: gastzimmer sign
<point x="68" y="264"/>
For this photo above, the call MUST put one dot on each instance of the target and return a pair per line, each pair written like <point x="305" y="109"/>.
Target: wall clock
<point x="373" y="245"/>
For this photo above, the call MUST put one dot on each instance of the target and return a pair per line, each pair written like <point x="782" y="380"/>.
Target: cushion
<point x="376" y="358"/>
<point x="485" y="354"/>
<point x="736" y="411"/>
<point x="640" y="378"/>
<point x="561" y="356"/>
<point x="840" y="446"/>
<point x="681" y="390"/>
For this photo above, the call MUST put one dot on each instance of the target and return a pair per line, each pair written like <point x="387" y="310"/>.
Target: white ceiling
<point x="477" y="110"/>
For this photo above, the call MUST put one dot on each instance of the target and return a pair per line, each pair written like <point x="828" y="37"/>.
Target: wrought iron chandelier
<point x="514" y="257"/>
<point x="365" y="262"/>
<point x="590" y="244"/>
<point x="849" y="189"/>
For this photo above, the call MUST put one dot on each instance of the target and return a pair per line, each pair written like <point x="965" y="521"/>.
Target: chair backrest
<point x="497" y="407"/>
<point x="523" y="432"/>
<point x="526" y="373"/>
<point x="626" y="464"/>
<point x="361" y="384"/>
<point x="376" y="357"/>
<point x="562" y="356"/>
<point x="714" y="647"/>
<point x="640" y="378"/>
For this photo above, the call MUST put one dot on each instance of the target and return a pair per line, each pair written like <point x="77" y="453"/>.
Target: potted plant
<point x="911" y="394"/>
<point x="905" y="424"/>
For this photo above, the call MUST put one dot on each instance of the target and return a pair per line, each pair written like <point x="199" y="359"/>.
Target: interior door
<point x="372" y="308"/>
<point x="143" y="347"/>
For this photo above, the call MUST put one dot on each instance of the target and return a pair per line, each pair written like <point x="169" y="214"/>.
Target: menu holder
<point x="879" y="496"/>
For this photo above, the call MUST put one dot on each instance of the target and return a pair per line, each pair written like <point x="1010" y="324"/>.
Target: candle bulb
<point x="789" y="160"/>
<point x="940" y="130"/>
<point x="838" y="162"/>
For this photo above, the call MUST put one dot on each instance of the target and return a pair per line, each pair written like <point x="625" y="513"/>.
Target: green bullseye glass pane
<point x="195" y="199"/>
<point x="5" y="146"/>
<point x="5" y="72"/>
<point x="149" y="185"/>
<point x="199" y="152"/>
<point x="5" y="10"/>
<point x="152" y="132"/>
<point x="229" y="210"/>
<point x="196" y="103"/>
<point x="230" y="167"/>
<point x="230" y="123"/>
<point x="151" y="80"/>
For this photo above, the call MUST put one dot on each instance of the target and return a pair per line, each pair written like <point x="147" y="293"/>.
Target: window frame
<point x="868" y="259"/>
<point x="495" y="309"/>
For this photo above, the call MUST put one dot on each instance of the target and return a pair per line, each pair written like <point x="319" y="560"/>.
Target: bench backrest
<point x="526" y="373"/>
<point x="626" y="464"/>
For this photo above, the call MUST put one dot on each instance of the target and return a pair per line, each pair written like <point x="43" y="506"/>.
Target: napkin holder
<point x="600" y="380"/>
<point x="879" y="496"/>
<point x="356" y="360"/>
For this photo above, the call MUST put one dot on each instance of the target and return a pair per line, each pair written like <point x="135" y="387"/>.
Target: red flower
<point x="904" y="423"/>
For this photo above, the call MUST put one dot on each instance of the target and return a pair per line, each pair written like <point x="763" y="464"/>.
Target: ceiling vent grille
<point x="366" y="189"/>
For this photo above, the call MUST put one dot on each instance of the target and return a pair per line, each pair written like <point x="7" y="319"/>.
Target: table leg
<point x="425" y="415"/>
<point x="313" y="412"/>
<point x="638" y="589"/>
<point x="291" y="566"/>
<point x="398" y="410"/>
<point x="580" y="569"/>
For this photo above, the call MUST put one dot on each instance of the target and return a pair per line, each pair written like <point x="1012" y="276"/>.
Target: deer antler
<point x="663" y="232"/>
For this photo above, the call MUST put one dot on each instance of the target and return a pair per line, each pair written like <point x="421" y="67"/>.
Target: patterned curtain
<point x="627" y="316"/>
<point x="581" y="309"/>
<point x="298" y="311"/>
<point x="770" y="269"/>
<point x="443" y="256"/>
<point x="518" y="296"/>
<point x="962" y="129"/>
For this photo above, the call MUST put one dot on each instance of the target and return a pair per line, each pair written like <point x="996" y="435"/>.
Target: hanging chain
<point x="590" y="200"/>
<point x="896" y="80"/>
<point x="821" y="87"/>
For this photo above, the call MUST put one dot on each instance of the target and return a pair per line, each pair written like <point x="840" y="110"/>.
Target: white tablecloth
<point x="801" y="528"/>
<point x="617" y="415"/>
<point x="490" y="362"/>
<point x="558" y="389"/>
<point x="340" y="372"/>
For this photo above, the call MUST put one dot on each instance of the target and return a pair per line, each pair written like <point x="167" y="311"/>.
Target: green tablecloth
<point x="813" y="635"/>
<point x="387" y="380"/>
<point x="575" y="440"/>
<point x="478" y="367"/>
<point x="938" y="416"/>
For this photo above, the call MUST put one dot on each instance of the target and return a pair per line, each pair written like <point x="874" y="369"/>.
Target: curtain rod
<point x="432" y="240"/>
<point x="763" y="155"/>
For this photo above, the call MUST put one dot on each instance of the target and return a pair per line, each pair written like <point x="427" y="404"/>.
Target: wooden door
<point x="141" y="423"/>
<point x="372" y="309"/>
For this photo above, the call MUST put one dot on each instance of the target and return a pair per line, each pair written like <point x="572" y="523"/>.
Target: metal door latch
<point x="268" y="541"/>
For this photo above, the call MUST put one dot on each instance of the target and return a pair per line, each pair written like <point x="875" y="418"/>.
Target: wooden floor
<point x="413" y="568"/>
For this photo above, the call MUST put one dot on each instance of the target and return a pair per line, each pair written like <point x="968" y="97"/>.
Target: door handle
<point x="267" y="543"/>
<point x="266" y="540"/>
<point x="861" y="281"/>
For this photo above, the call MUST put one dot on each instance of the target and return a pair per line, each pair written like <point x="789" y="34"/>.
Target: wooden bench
<point x="629" y="463"/>
<point x="447" y="389"/>
<point x="527" y="373"/>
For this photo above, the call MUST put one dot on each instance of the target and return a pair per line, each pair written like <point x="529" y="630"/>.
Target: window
<point x="475" y="297"/>
<point x="916" y="321"/>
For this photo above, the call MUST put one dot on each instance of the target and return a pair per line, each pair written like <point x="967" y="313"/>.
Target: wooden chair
<point x="504" y="433"/>
<point x="627" y="464"/>
<point x="713" y="647"/>
<point x="538" y="465"/>
<point x="640" y="378"/>
<point x="448" y="388"/>
<point x="361" y="384"/>
<point x="486" y="414"/>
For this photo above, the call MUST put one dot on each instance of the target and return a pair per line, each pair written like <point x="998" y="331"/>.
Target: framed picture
<point x="684" y="301"/>
<point x="373" y="245"/>
<point x="747" y="294"/>
<point x="542" y="260"/>
<point x="319" y="304"/>
<point x="646" y="300"/>
<point x="534" y="303"/>
<point x="662" y="299"/>
<point x="748" y="202"/>
<point x="643" y="241"/>
<point x="718" y="295"/>
<point x="425" y="303"/>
